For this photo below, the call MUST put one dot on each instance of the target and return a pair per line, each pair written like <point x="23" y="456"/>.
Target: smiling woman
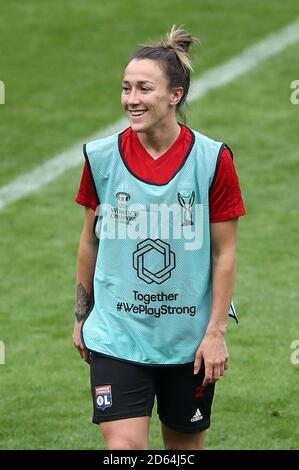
<point x="155" y="87"/>
<point x="137" y="357"/>
<point x="149" y="103"/>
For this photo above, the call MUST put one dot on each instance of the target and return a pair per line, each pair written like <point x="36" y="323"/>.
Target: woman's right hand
<point x="84" y="353"/>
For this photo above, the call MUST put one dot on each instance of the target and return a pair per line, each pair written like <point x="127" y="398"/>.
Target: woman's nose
<point x="133" y="97"/>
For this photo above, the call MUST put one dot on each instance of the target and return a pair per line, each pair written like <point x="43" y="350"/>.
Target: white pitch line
<point x="214" y="78"/>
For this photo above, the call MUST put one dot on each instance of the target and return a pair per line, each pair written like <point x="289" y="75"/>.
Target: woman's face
<point x="146" y="98"/>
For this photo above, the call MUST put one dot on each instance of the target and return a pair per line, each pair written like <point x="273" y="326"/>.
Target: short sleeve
<point x="226" y="200"/>
<point x="86" y="195"/>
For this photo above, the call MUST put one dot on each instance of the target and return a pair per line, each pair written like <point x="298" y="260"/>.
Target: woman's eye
<point x="125" y="88"/>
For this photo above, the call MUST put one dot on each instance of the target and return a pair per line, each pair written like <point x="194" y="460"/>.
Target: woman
<point x="154" y="293"/>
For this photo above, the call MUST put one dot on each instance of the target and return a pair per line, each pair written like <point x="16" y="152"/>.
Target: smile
<point x="137" y="113"/>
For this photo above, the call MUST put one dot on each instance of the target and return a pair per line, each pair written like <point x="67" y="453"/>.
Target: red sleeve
<point x="86" y="195"/>
<point x="225" y="194"/>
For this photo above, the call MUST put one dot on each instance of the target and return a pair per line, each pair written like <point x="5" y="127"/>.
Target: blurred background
<point x="62" y="65"/>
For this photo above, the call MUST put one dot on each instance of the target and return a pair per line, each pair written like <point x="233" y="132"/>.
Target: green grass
<point x="63" y="61"/>
<point x="67" y="93"/>
<point x="260" y="410"/>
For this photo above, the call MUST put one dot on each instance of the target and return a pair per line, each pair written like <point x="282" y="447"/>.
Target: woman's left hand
<point x="213" y="352"/>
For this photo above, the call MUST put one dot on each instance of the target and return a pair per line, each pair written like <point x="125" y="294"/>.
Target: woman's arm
<point x="213" y="350"/>
<point x="88" y="249"/>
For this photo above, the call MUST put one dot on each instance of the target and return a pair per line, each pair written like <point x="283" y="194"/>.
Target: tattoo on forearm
<point x="83" y="304"/>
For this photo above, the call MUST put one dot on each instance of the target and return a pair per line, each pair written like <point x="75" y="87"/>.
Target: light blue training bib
<point x="152" y="282"/>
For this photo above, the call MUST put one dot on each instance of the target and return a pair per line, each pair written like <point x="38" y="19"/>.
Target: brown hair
<point x="173" y="55"/>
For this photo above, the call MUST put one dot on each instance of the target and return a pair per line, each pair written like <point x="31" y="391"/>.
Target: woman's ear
<point x="177" y="94"/>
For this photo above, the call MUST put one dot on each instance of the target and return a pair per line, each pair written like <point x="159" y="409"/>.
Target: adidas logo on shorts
<point x="198" y="416"/>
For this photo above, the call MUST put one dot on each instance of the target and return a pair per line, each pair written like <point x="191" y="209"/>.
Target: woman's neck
<point x="160" y="140"/>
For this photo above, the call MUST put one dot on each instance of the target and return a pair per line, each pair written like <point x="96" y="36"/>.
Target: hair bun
<point x="178" y="39"/>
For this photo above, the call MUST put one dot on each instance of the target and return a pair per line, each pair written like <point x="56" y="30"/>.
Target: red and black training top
<point x="225" y="194"/>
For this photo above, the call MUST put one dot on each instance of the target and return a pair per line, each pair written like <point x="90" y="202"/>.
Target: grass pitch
<point x="62" y="69"/>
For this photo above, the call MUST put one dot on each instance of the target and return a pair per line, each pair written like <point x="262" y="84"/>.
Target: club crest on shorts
<point x="103" y="396"/>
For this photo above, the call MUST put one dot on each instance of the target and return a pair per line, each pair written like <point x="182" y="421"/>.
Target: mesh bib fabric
<point x="152" y="282"/>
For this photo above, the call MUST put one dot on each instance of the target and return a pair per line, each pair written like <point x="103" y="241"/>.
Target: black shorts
<point x="123" y="390"/>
